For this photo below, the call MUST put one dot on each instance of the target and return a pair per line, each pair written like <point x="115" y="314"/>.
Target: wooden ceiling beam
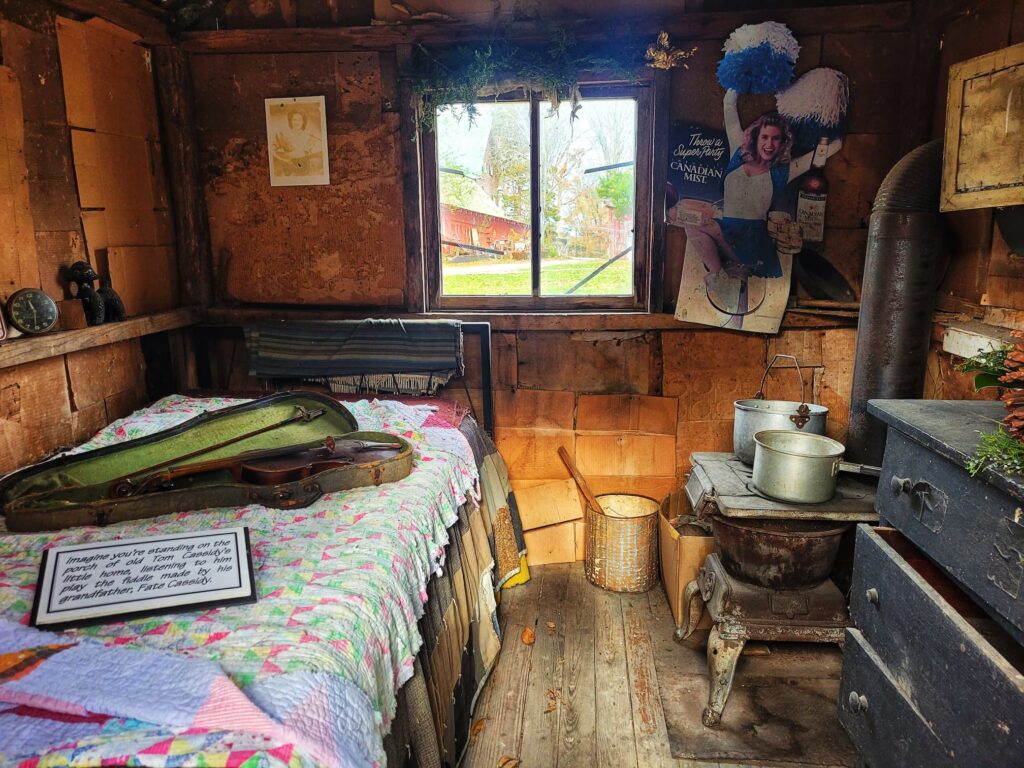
<point x="883" y="17"/>
<point x="142" y="17"/>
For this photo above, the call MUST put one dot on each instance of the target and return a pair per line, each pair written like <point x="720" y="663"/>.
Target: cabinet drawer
<point x="973" y="530"/>
<point x="883" y="725"/>
<point x="954" y="665"/>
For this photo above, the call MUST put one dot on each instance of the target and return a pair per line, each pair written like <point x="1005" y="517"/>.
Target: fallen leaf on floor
<point x="528" y="637"/>
<point x="550" y="624"/>
<point x="478" y="726"/>
<point x="553" y="697"/>
<point x="508" y="762"/>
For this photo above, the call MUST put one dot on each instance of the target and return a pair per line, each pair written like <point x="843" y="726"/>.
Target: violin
<point x="271" y="466"/>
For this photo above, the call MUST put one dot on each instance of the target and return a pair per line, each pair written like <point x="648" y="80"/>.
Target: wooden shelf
<point x="27" y="349"/>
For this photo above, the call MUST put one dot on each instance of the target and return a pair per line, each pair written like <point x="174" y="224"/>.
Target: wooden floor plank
<point x="667" y="654"/>
<point x="540" y="722"/>
<point x="615" y="746"/>
<point x="501" y="706"/>
<point x="649" y="732"/>
<point x="576" y="721"/>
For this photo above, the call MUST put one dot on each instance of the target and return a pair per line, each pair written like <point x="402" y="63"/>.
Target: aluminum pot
<point x="778" y="554"/>
<point x="796" y="466"/>
<point x="758" y="414"/>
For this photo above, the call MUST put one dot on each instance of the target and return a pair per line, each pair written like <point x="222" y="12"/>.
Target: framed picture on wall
<point x="297" y="141"/>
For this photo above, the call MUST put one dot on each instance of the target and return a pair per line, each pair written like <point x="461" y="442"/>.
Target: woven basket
<point x="621" y="545"/>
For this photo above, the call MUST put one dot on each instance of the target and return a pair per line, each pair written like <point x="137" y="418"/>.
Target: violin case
<point x="77" y="489"/>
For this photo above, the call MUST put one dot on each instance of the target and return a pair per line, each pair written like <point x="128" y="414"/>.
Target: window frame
<point x="643" y="221"/>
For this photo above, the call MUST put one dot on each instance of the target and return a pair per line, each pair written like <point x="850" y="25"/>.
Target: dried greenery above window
<point x="469" y="73"/>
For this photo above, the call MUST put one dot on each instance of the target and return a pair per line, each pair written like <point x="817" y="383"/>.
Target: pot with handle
<point x="758" y="414"/>
<point x="799" y="467"/>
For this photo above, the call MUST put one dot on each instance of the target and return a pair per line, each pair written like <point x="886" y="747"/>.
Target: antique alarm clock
<point x="32" y="311"/>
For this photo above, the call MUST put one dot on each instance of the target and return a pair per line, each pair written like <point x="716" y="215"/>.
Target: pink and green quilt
<point x="306" y="676"/>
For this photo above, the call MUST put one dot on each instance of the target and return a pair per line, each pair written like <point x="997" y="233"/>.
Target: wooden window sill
<point x="27" y="349"/>
<point x="509" y="321"/>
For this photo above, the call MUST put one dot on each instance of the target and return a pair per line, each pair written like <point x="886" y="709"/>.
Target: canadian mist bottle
<point x="812" y="196"/>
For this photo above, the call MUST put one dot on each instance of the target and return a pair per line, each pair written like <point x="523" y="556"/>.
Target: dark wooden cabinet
<point x="933" y="672"/>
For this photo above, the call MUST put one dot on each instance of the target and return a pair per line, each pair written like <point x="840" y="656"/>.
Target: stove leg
<point x="693" y="610"/>
<point x="723" y="653"/>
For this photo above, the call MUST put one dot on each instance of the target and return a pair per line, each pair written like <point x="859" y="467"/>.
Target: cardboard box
<point x="547" y="502"/>
<point x="552" y="544"/>
<point x="681" y="556"/>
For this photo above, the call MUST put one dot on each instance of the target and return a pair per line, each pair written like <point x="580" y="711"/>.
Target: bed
<point x="374" y="630"/>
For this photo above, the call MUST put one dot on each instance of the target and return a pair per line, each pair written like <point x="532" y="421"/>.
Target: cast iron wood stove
<point x="740" y="610"/>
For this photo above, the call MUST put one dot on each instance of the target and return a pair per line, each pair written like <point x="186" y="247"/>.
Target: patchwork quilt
<point x="306" y="676"/>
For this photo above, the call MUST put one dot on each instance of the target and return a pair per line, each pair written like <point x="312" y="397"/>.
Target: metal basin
<point x="778" y="554"/>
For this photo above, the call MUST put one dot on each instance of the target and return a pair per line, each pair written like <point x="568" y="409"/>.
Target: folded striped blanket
<point x="389" y="355"/>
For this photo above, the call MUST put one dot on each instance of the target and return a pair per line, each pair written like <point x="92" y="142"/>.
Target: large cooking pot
<point x="800" y="467"/>
<point x="778" y="554"/>
<point x="758" y="414"/>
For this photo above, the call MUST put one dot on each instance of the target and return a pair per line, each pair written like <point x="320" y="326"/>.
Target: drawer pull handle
<point x="900" y="484"/>
<point x="872" y="595"/>
<point x="858" y="703"/>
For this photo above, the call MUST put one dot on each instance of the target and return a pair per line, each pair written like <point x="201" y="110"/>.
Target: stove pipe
<point x="904" y="263"/>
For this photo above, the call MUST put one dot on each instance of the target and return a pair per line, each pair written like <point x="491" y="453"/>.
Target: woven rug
<point x="782" y="706"/>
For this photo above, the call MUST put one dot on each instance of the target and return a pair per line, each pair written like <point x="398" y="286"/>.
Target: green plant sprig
<point x="465" y="74"/>
<point x="998" y="450"/>
<point x="987" y="368"/>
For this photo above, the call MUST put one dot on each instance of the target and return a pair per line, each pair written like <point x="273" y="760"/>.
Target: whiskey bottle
<point x="811" y="198"/>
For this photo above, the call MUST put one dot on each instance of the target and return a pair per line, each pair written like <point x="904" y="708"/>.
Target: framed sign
<point x="112" y="580"/>
<point x="297" y="141"/>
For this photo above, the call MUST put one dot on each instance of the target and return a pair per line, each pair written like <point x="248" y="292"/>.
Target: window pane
<point x="484" y="193"/>
<point x="588" y="184"/>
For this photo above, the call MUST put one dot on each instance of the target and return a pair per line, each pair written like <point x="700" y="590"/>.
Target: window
<point x="530" y="209"/>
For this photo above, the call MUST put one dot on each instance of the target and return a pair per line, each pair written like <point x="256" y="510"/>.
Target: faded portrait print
<point x="297" y="141"/>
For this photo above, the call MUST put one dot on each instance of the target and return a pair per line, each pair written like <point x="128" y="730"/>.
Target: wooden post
<point x="661" y="105"/>
<point x="180" y="146"/>
<point x="415" y="289"/>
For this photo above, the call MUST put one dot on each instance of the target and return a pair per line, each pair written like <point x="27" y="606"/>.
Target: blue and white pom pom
<point x="759" y="58"/>
<point x="816" y="107"/>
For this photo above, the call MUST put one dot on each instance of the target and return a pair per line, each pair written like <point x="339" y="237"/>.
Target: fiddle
<point x="270" y="466"/>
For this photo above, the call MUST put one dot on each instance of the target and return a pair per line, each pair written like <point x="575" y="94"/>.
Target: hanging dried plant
<point x="463" y="75"/>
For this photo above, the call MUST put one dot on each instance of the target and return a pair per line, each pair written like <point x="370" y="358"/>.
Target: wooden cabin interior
<point x="519" y="331"/>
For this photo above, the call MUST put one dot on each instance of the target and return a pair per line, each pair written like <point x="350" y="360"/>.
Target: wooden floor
<point x="586" y="692"/>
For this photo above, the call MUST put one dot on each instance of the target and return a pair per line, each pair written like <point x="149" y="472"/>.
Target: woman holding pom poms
<point x="760" y="166"/>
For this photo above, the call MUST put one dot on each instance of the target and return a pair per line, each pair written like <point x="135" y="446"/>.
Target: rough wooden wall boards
<point x="504" y="365"/>
<point x="627" y="413"/>
<point x="18" y="264"/>
<point x="94" y="374"/>
<point x="1005" y="284"/>
<point x="146" y="277"/>
<point x="595" y="362"/>
<point x="35" y="413"/>
<point x="534" y="408"/>
<point x="547" y="502"/>
<point x="340" y="243"/>
<point x="108" y="79"/>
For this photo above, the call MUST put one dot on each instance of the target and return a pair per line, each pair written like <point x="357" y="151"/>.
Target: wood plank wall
<point x="985" y="279"/>
<point x="60" y="401"/>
